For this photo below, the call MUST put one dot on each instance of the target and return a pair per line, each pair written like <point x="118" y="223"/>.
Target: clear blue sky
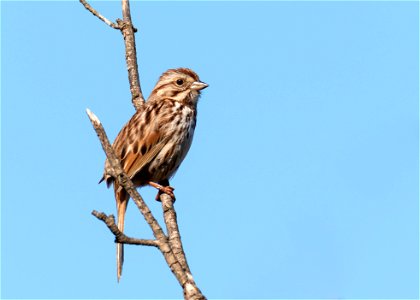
<point x="302" y="181"/>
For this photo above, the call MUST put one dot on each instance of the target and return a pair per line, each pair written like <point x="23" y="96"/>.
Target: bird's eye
<point x="180" y="82"/>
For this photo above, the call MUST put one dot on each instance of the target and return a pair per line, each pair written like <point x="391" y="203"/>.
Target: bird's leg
<point x="164" y="188"/>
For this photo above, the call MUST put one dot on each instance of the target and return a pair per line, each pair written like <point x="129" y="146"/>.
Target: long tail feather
<point x="121" y="198"/>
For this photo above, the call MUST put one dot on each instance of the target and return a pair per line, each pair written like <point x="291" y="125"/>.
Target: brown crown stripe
<point x="184" y="71"/>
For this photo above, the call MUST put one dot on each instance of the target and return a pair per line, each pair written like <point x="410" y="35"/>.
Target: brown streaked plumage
<point x="154" y="142"/>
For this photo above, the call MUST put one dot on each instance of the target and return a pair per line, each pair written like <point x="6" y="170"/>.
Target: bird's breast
<point x="180" y="131"/>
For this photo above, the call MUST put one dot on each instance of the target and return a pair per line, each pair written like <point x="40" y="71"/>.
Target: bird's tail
<point x="121" y="198"/>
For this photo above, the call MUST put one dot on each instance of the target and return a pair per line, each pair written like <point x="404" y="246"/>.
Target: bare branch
<point x="128" y="30"/>
<point x="97" y="14"/>
<point x="191" y="291"/>
<point x="126" y="10"/>
<point x="174" y="236"/>
<point x="119" y="236"/>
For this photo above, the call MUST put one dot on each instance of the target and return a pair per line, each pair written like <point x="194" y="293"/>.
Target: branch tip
<point x="93" y="118"/>
<point x="97" y="14"/>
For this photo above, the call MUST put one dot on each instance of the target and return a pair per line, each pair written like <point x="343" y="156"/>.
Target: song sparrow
<point x="152" y="145"/>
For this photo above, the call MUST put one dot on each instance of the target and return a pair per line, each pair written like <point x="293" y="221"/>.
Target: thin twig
<point x="97" y="14"/>
<point x="119" y="236"/>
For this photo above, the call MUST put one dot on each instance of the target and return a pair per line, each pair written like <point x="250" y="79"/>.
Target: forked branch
<point x="119" y="236"/>
<point x="127" y="29"/>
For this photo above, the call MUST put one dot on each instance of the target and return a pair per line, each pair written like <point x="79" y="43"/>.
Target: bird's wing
<point x="138" y="143"/>
<point x="135" y="161"/>
<point x="140" y="140"/>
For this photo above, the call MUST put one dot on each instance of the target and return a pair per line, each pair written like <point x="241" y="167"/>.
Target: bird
<point x="154" y="142"/>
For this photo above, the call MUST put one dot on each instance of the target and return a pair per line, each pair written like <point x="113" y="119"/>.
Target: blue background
<point x="302" y="181"/>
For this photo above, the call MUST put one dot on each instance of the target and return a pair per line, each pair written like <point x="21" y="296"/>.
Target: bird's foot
<point x="163" y="190"/>
<point x="166" y="190"/>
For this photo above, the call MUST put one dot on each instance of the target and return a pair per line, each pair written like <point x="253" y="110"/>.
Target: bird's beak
<point x="198" y="85"/>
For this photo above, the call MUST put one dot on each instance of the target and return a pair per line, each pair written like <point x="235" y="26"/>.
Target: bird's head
<point x="182" y="85"/>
